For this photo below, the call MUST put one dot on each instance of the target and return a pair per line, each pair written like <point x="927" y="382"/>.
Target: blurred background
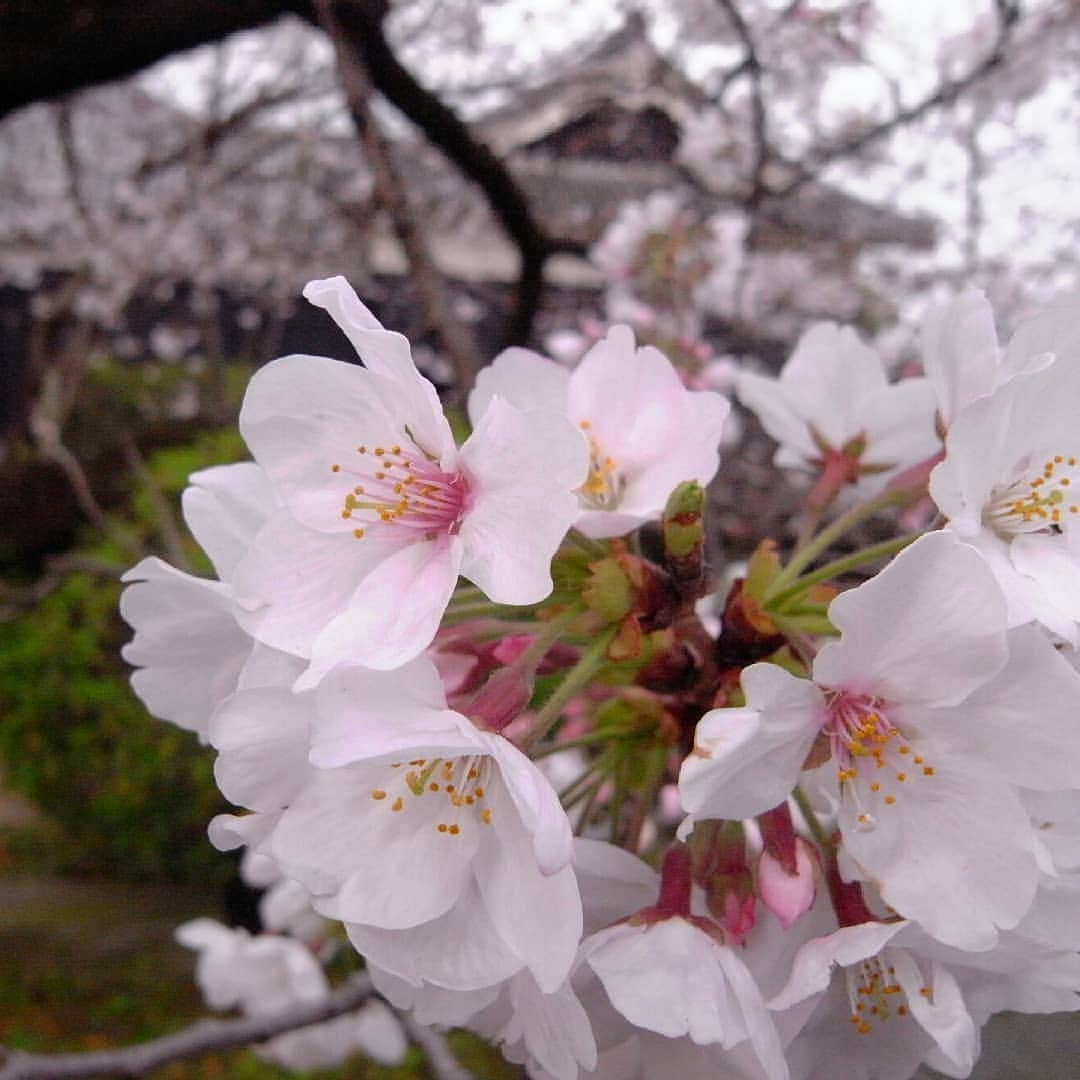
<point x="485" y="172"/>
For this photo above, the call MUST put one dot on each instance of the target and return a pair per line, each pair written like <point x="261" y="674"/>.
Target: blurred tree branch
<point x="454" y="336"/>
<point x="210" y="1036"/>
<point x="361" y="21"/>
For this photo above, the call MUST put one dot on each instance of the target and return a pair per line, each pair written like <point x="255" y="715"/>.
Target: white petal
<point x="387" y="354"/>
<point x="295" y="580"/>
<point x="613" y="883"/>
<point x="262" y="736"/>
<point x="1022" y="722"/>
<point x="459" y="950"/>
<point x="388" y="868"/>
<point x="524" y="378"/>
<point x="523" y="468"/>
<point x="955" y="852"/>
<point x="224" y="507"/>
<point x="943" y="1014"/>
<point x="929" y="628"/>
<point x="960" y="350"/>
<point x="363" y="713"/>
<point x="394" y="612"/>
<point x="538" y="915"/>
<point x="536" y="803"/>
<point x="811" y="970"/>
<point x="187" y="642"/>
<point x="631" y="397"/>
<point x="747" y="760"/>
<point x="304" y="414"/>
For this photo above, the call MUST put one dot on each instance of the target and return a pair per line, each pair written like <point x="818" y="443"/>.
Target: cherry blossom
<point x="442" y="848"/>
<point x="890" y="997"/>
<point x="1011" y="460"/>
<point x="832" y="398"/>
<point x="932" y="714"/>
<point x="644" y="431"/>
<point x="189" y="646"/>
<point x="269" y="973"/>
<point x="380" y="510"/>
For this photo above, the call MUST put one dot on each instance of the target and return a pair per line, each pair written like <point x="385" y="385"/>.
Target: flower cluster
<point x="477" y="710"/>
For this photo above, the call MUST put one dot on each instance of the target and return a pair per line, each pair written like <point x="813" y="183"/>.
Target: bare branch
<point x="1008" y="14"/>
<point x="439" y="1056"/>
<point x="164" y="517"/>
<point x="204" y="1037"/>
<point x="455" y="337"/>
<point x="362" y="23"/>
<point x="751" y="64"/>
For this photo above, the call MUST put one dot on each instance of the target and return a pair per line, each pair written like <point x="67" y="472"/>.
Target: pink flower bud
<point x="788" y="896"/>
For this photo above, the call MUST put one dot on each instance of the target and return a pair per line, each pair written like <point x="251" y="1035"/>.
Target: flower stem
<point x="545" y="635"/>
<point x="586" y="544"/>
<point x="824" y="539"/>
<point x="477" y="609"/>
<point x="817" y="830"/>
<point x="590" y="661"/>
<point x="840" y="566"/>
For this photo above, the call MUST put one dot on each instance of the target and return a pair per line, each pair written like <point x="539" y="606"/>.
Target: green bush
<point x="130" y="796"/>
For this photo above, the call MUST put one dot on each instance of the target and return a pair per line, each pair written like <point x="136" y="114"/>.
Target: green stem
<point x="590" y="804"/>
<point x="817" y="830"/>
<point x="824" y="539"/>
<point x="841" y="566"/>
<point x="546" y="634"/>
<point x="571" y="744"/>
<point x="476" y="609"/>
<point x="587" y="544"/>
<point x="589" y="663"/>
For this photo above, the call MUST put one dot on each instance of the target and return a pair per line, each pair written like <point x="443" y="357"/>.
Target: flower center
<point x="603" y="486"/>
<point x="461" y="783"/>
<point x="1036" y="500"/>
<point x="875" y="765"/>
<point x="404" y="488"/>
<point x="874" y="994"/>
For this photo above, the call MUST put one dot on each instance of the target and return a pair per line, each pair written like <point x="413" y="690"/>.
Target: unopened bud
<point x="684" y="538"/>
<point x="503" y="697"/>
<point x="788" y="895"/>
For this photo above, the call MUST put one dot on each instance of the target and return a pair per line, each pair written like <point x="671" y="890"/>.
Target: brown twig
<point x="751" y="65"/>
<point x="164" y="516"/>
<point x="362" y="24"/>
<point x="455" y="338"/>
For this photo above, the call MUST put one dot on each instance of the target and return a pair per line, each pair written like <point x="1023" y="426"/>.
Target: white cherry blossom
<point x="1008" y="480"/>
<point x="644" y="431"/>
<point x="380" y="510"/>
<point x="833" y="394"/>
<point x="889" y="998"/>
<point x="270" y="973"/>
<point x="191" y="651"/>
<point x="441" y="846"/>
<point x="932" y="715"/>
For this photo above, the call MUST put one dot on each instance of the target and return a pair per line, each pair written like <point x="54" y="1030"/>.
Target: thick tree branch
<point x="54" y="49"/>
<point x="361" y="20"/>
<point x="454" y="336"/>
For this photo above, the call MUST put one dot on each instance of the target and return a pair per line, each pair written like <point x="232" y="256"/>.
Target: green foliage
<point x="132" y="795"/>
